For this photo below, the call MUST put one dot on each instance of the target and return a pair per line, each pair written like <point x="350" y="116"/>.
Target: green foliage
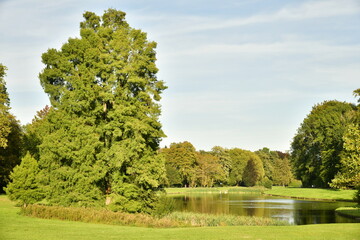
<point x="164" y="206"/>
<point x="182" y="158"/>
<point x="10" y="134"/>
<point x="208" y="170"/>
<point x="224" y="160"/>
<point x="295" y="184"/>
<point x="317" y="146"/>
<point x="24" y="186"/>
<point x="5" y="126"/>
<point x="276" y="166"/>
<point x="11" y="155"/>
<point x="267" y="183"/>
<point x="35" y="132"/>
<point x="349" y="175"/>
<point x="239" y="159"/>
<point x="254" y="171"/>
<point x="99" y="142"/>
<point x="282" y="172"/>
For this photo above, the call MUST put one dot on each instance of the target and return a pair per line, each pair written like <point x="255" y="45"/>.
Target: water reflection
<point x="294" y="211"/>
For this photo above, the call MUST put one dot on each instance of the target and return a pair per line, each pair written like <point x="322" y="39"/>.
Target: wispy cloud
<point x="308" y="10"/>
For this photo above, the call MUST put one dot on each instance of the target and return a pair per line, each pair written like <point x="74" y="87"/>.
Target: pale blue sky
<point x="240" y="73"/>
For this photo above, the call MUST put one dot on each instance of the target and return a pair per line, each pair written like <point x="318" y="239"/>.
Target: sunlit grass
<point x="313" y="193"/>
<point x="349" y="211"/>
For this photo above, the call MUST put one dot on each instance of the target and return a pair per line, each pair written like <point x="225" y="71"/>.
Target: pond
<point x="298" y="212"/>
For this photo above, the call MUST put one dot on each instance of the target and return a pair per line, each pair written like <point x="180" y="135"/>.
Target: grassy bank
<point x="17" y="227"/>
<point x="313" y="193"/>
<point x="353" y="212"/>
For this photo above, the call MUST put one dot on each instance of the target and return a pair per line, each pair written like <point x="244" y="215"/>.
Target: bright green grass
<point x="314" y="193"/>
<point x="14" y="226"/>
<point x="349" y="211"/>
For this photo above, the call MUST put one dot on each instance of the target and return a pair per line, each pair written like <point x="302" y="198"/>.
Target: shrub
<point x="295" y="184"/>
<point x="266" y="182"/>
<point x="164" y="206"/>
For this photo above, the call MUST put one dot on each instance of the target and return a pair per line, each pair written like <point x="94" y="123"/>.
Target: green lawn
<point x="314" y="193"/>
<point x="349" y="211"/>
<point x="14" y="226"/>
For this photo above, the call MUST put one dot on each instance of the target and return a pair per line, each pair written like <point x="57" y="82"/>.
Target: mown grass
<point x="313" y="193"/>
<point x="353" y="212"/>
<point x="18" y="227"/>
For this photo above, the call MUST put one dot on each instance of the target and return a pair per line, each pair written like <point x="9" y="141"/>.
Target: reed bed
<point x="202" y="220"/>
<point x="90" y="215"/>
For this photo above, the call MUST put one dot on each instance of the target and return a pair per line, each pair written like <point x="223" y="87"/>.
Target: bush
<point x="295" y="184"/>
<point x="357" y="195"/>
<point x="266" y="182"/>
<point x="164" y="206"/>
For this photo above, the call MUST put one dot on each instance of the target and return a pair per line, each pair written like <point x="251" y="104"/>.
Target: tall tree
<point x="318" y="143"/>
<point x="240" y="166"/>
<point x="104" y="130"/>
<point x="209" y="169"/>
<point x="10" y="135"/>
<point x="182" y="158"/>
<point x="254" y="170"/>
<point x="225" y="161"/>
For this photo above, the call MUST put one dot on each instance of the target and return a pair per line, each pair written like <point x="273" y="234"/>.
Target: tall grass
<point x="97" y="216"/>
<point x="201" y="220"/>
<point x="175" y="219"/>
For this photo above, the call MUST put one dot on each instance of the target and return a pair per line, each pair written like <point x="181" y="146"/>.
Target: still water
<point x="294" y="211"/>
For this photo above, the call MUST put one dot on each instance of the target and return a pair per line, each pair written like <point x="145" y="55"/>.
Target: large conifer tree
<point x="104" y="130"/>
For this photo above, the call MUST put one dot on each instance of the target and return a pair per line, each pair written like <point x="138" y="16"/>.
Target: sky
<point x="240" y="73"/>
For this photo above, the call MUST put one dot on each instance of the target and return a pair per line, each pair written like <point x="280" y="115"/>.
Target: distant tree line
<point x="186" y="167"/>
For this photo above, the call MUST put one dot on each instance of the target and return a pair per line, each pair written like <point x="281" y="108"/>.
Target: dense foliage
<point x="233" y="167"/>
<point x="318" y="144"/>
<point x="10" y="134"/>
<point x="25" y="186"/>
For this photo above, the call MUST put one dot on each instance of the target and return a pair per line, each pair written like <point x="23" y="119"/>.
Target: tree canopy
<point x="317" y="146"/>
